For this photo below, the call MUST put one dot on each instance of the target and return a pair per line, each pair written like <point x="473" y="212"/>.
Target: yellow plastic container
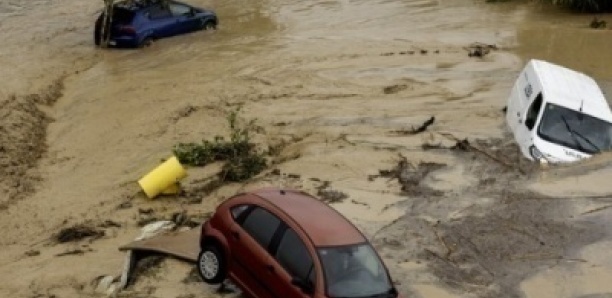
<point x="173" y="189"/>
<point x="162" y="178"/>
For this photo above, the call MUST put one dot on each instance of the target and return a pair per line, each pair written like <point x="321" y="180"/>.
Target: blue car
<point x="137" y="23"/>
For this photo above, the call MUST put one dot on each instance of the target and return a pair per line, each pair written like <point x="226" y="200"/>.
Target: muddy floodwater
<point x="334" y="87"/>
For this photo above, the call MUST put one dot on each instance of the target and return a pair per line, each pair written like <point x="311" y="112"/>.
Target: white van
<point x="557" y="114"/>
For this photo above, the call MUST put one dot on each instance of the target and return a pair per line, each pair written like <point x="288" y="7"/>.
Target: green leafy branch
<point x="242" y="159"/>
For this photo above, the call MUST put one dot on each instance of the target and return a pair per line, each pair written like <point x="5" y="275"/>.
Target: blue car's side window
<point x="179" y="10"/>
<point x="158" y="12"/>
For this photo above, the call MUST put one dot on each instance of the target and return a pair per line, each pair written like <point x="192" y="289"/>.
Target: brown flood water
<point x="330" y="79"/>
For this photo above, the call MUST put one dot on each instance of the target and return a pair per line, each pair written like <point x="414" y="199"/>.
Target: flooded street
<point x="331" y="84"/>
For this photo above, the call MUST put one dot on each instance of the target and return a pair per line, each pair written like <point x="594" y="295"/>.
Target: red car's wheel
<point x="211" y="265"/>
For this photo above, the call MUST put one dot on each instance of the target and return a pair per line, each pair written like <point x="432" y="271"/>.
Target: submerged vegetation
<point x="585" y="5"/>
<point x="242" y="160"/>
<point x="577" y="5"/>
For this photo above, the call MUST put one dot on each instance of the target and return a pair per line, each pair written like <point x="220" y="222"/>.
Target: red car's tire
<point x="212" y="265"/>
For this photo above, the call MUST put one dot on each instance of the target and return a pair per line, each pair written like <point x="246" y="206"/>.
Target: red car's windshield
<point x="354" y="271"/>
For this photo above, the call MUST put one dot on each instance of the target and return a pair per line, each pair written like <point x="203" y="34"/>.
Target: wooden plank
<point x="184" y="245"/>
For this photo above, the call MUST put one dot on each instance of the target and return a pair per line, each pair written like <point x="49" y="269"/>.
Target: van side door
<point x="520" y="97"/>
<point x="527" y="130"/>
<point x="523" y="106"/>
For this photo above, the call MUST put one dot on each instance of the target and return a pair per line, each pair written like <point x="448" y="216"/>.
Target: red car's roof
<point x="323" y="224"/>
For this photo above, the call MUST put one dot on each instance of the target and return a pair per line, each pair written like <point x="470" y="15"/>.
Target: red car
<point x="287" y="244"/>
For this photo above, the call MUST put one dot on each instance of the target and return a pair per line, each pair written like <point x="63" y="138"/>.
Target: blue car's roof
<point x="130" y="5"/>
<point x="140" y="4"/>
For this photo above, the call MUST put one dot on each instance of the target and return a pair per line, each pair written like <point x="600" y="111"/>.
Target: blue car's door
<point x="161" y="22"/>
<point x="185" y="16"/>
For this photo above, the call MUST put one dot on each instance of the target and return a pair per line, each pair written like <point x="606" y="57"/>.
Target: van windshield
<point x="354" y="271"/>
<point x="575" y="130"/>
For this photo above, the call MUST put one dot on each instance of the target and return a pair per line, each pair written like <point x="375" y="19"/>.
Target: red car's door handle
<point x="270" y="268"/>
<point x="236" y="234"/>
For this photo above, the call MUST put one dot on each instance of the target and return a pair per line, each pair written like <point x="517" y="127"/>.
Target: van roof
<point x="571" y="89"/>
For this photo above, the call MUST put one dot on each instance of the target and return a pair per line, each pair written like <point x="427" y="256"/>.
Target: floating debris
<point x="420" y="129"/>
<point x="32" y="253"/>
<point x="480" y="50"/>
<point x="394" y="89"/>
<point x="411" y="176"/>
<point x="597" y="24"/>
<point x="329" y="195"/>
<point x="78" y="232"/>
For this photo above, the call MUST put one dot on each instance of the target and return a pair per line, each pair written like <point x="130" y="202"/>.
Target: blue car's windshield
<point x="575" y="130"/>
<point x="354" y="271"/>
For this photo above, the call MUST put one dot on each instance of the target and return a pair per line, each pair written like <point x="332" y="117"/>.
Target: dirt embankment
<point x="23" y="132"/>
<point x="45" y="47"/>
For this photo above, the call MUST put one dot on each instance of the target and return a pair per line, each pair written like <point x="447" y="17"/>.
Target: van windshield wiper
<point x="574" y="133"/>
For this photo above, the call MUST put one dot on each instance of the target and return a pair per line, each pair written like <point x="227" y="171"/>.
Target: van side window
<point x="533" y="112"/>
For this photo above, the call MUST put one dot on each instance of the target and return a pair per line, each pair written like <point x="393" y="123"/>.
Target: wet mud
<point x="486" y="248"/>
<point x="22" y="137"/>
<point x="341" y="92"/>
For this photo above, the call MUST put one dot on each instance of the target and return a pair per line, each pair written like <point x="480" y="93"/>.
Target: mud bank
<point x="23" y="133"/>
<point x="45" y="48"/>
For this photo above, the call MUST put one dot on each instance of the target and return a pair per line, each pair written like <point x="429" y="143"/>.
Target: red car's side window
<point x="239" y="211"/>
<point x="261" y="225"/>
<point x="293" y="255"/>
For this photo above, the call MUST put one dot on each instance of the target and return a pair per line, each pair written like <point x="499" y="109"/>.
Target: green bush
<point x="195" y="154"/>
<point x="243" y="167"/>
<point x="243" y="161"/>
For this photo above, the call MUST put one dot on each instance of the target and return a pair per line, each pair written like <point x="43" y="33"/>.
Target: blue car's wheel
<point x="208" y="25"/>
<point x="146" y="42"/>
